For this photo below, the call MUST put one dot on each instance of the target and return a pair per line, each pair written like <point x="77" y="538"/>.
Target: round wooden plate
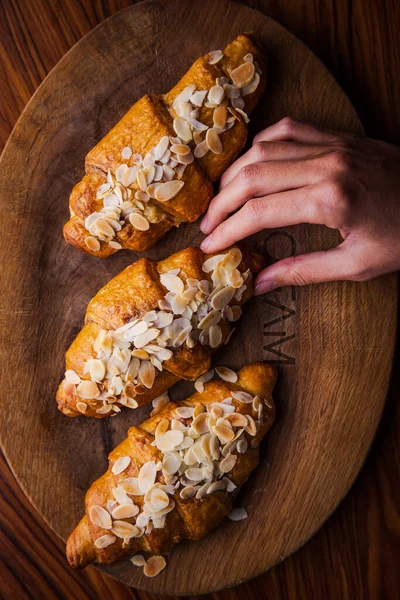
<point x="333" y="343"/>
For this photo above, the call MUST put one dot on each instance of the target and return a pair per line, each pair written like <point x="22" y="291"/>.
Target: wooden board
<point x="333" y="342"/>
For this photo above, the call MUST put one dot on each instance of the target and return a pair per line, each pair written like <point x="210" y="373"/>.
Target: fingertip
<point x="204" y="225"/>
<point x="205" y="244"/>
<point x="265" y="286"/>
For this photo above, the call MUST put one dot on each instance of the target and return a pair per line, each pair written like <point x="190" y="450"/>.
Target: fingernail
<point x="265" y="286"/>
<point x="205" y="243"/>
<point x="203" y="224"/>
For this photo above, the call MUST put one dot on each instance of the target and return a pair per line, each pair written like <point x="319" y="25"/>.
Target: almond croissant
<point x="154" y="169"/>
<point x="176" y="475"/>
<point x="152" y="325"/>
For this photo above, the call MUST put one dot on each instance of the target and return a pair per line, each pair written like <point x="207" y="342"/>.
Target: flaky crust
<point x="141" y="128"/>
<point x="129" y="295"/>
<point x="193" y="518"/>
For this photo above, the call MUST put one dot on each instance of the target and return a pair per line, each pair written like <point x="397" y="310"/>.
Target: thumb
<point x="316" y="267"/>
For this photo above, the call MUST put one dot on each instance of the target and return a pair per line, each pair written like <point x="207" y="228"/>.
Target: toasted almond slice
<point x="154" y="566"/>
<point x="244" y="397"/>
<point x="100" y="517"/>
<point x="213" y="141"/>
<point x="200" y="423"/>
<point x="187" y="492"/>
<point x="237" y="103"/>
<point x="87" y="390"/>
<point x="236" y="419"/>
<point x="251" y="427"/>
<point x="130" y="485"/>
<point x="139" y="221"/>
<point x="128" y="402"/>
<point x="197" y="125"/>
<point x="217" y="486"/>
<point x="163" y="426"/>
<point x="184" y="412"/>
<point x="141" y="180"/>
<point x="219" y="116"/>
<point x="185" y="95"/>
<point x="201" y="149"/>
<point x="104" y="410"/>
<point x="203" y="490"/>
<point x="227" y="374"/>
<point x="214" y="56"/>
<point x="231" y="91"/>
<point x="167" y="191"/>
<point x="180" y="149"/>
<point x="182" y="129"/>
<point x="215" y="336"/>
<point x="171" y="463"/>
<point x="238" y="514"/>
<point x="138" y="560"/>
<point x="241" y="446"/>
<point x="243" y="115"/>
<point x="147" y="476"/>
<point x="182" y="337"/>
<point x="125" y="530"/>
<point x="197" y="98"/>
<point x="126" y="153"/>
<point x="97" y="370"/>
<point x="103" y="189"/>
<point x="173" y="283"/>
<point x="184" y="159"/>
<point x="252" y="86"/>
<point x="170" y="440"/>
<point x="199" y="408"/>
<point x="223" y="297"/>
<point x="115" y="245"/>
<point x="200" y="381"/>
<point x="224" y="433"/>
<point x="72" y="377"/>
<point x="211" y="318"/>
<point x="125" y="511"/>
<point x="216" y="94"/>
<point x="147" y="372"/>
<point x="105" y="540"/>
<point x="228" y="463"/>
<point x="161" y="147"/>
<point x="92" y="243"/>
<point x="121" y="464"/>
<point x="120" y="171"/>
<point x="234" y="313"/>
<point x="158" y="499"/>
<point x="81" y="406"/>
<point x="149" y="173"/>
<point x="243" y="74"/>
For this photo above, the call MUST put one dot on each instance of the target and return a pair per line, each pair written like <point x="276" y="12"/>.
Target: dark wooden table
<point x="356" y="555"/>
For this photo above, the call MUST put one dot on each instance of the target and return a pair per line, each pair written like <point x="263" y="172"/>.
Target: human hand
<point x="297" y="173"/>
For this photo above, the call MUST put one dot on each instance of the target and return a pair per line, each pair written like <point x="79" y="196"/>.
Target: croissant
<point x="176" y="475"/>
<point x="154" y="169"/>
<point x="152" y="325"/>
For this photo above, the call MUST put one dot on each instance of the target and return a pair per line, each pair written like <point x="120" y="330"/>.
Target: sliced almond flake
<point x="231" y="91"/>
<point x="200" y="381"/>
<point x="200" y="423"/>
<point x="187" y="492"/>
<point x="248" y="57"/>
<point x="203" y="490"/>
<point x="216" y="94"/>
<point x="173" y="283"/>
<point x="243" y="114"/>
<point x="170" y="440"/>
<point x="226" y="374"/>
<point x="197" y="125"/>
<point x="145" y="338"/>
<point x="182" y="129"/>
<point x="197" y="98"/>
<point x="72" y="377"/>
<point x="126" y="153"/>
<point x="171" y="463"/>
<point x="215" y="336"/>
<point x="121" y="464"/>
<point x="179" y="170"/>
<point x="120" y="171"/>
<point x="138" y="560"/>
<point x="139" y="221"/>
<point x="234" y="313"/>
<point x="241" y="446"/>
<point x="115" y="245"/>
<point x="214" y="447"/>
<point x="81" y="406"/>
<point x="167" y="191"/>
<point x="184" y="159"/>
<point x="103" y="189"/>
<point x="125" y="511"/>
<point x="251" y="427"/>
<point x="154" y="566"/>
<point x="238" y="514"/>
<point x="217" y="486"/>
<point x="212" y="318"/>
<point x="238" y="103"/>
<point x="213" y="141"/>
<point x="182" y="337"/>
<point x="165" y="157"/>
<point x="230" y="486"/>
<point x="224" y="433"/>
<point x="92" y="243"/>
<point x="228" y="463"/>
<point x="147" y="476"/>
<point x="252" y="86"/>
<point x="243" y="74"/>
<point x="195" y="474"/>
<point x="158" y="499"/>
<point x="220" y="116"/>
<point x="215" y="56"/>
<point x="161" y="147"/>
<point x="129" y="402"/>
<point x="221" y="81"/>
<point x="104" y="410"/>
<point x="87" y="390"/>
<point x="181" y="149"/>
<point x="201" y="149"/>
<point x="147" y="372"/>
<point x="184" y="412"/>
<point x="130" y="485"/>
<point x="236" y="419"/>
<point x="97" y="370"/>
<point x="125" y="530"/>
<point x="104" y="541"/>
<point x="168" y="173"/>
<point x="242" y="396"/>
<point x="100" y="517"/>
<point x="162" y="427"/>
<point x="141" y="180"/>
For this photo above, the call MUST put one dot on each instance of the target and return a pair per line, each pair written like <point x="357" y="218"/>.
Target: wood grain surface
<point x="353" y="556"/>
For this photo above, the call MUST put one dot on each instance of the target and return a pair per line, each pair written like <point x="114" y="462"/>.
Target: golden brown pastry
<point x="154" y="169"/>
<point x="176" y="475"/>
<point x="152" y="325"/>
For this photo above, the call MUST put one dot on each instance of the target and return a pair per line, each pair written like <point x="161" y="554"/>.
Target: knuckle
<point x="287" y="125"/>
<point x="341" y="161"/>
<point x="258" y="150"/>
<point x="252" y="210"/>
<point x="335" y="202"/>
<point x="247" y="175"/>
<point x="293" y="271"/>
